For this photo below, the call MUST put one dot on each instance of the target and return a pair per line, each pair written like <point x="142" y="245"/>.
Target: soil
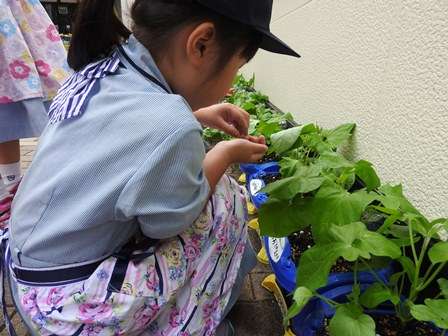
<point x="300" y="242"/>
<point x="271" y="178"/>
<point x="303" y="240"/>
<point x="342" y="266"/>
<point x="389" y="325"/>
<point x="269" y="158"/>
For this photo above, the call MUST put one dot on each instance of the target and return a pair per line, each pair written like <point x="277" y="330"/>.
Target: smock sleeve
<point x="169" y="191"/>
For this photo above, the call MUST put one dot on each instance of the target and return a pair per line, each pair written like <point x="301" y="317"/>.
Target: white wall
<point x="380" y="63"/>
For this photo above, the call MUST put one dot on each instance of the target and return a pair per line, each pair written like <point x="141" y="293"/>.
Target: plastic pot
<point x="311" y="318"/>
<point x="280" y="259"/>
<point x="254" y="180"/>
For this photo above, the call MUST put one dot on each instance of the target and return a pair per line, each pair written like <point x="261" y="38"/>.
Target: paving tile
<point x="261" y="268"/>
<point x="260" y="294"/>
<point x="262" y="318"/>
<point x="247" y="292"/>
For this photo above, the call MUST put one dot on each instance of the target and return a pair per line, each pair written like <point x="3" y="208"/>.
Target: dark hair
<point x="97" y="30"/>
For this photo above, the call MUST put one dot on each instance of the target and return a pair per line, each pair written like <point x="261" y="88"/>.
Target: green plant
<point x="403" y="227"/>
<point x="424" y="250"/>
<point x="320" y="188"/>
<point x="316" y="181"/>
<point x="263" y="120"/>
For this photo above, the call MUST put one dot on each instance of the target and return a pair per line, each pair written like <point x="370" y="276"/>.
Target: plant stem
<point x="415" y="287"/>
<point x="411" y="238"/>
<point x="428" y="272"/>
<point x="432" y="277"/>
<point x="374" y="274"/>
<point x="330" y="302"/>
<point x="401" y="286"/>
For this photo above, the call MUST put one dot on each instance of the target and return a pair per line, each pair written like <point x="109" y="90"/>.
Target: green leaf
<point x="362" y="242"/>
<point x="288" y="116"/>
<point x="348" y="235"/>
<point x="418" y="224"/>
<point x="377" y="294"/>
<point x="253" y="126"/>
<point x="315" y="264"/>
<point x="301" y="297"/>
<point x="289" y="166"/>
<point x="394" y="198"/>
<point x="349" y="320"/>
<point x="349" y="241"/>
<point x="248" y="106"/>
<point x="408" y="266"/>
<point x="435" y="311"/>
<point x="280" y="218"/>
<point x="438" y="252"/>
<point x="309" y="128"/>
<point x="394" y="278"/>
<point x="333" y="160"/>
<point x="283" y="141"/>
<point x="378" y="245"/>
<point x="443" y="284"/>
<point x="267" y="128"/>
<point x="439" y="229"/>
<point x="333" y="204"/>
<point x="340" y="134"/>
<point x="287" y="188"/>
<point x="399" y="231"/>
<point x="365" y="171"/>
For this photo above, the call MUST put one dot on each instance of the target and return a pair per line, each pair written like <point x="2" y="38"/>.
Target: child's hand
<point x="225" y="117"/>
<point x="257" y="139"/>
<point x="226" y="153"/>
<point x="244" y="150"/>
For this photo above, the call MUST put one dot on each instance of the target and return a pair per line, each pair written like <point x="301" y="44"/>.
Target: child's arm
<point x="226" y="153"/>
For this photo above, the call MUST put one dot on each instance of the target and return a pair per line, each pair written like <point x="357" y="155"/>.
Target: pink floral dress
<point x="32" y="56"/>
<point x="180" y="290"/>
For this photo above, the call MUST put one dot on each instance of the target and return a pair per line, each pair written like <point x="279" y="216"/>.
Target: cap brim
<point x="272" y="43"/>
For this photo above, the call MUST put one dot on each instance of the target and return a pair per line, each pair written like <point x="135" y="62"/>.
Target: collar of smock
<point x="143" y="59"/>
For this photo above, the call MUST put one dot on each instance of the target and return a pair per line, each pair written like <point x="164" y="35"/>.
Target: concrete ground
<point x="255" y="314"/>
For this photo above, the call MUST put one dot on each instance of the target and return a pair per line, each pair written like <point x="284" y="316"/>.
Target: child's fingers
<point x="239" y="118"/>
<point x="259" y="148"/>
<point x="256" y="157"/>
<point x="256" y="139"/>
<point x="231" y="130"/>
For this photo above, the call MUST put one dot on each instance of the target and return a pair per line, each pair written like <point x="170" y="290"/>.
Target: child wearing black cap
<point x="123" y="224"/>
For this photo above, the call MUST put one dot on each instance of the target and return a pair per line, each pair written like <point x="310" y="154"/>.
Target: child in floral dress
<point x="123" y="224"/>
<point x="32" y="68"/>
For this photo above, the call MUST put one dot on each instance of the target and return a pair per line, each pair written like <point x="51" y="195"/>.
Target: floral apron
<point x="32" y="56"/>
<point x="179" y="286"/>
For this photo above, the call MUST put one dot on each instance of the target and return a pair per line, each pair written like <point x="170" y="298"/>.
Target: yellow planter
<point x="242" y="178"/>
<point x="253" y="224"/>
<point x="251" y="209"/>
<point x="262" y="256"/>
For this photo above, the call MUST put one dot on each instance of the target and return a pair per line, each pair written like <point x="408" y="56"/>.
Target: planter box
<point x="338" y="286"/>
<point x="254" y="179"/>
<point x="308" y="322"/>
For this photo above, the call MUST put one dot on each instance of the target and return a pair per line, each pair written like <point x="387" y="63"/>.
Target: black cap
<point x="256" y="14"/>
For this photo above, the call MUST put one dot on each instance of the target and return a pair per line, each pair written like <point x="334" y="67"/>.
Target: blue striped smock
<point x="129" y="158"/>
